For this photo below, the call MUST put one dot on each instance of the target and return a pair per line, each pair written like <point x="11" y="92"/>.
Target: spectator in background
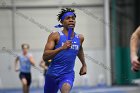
<point x="45" y="65"/>
<point x="134" y="42"/>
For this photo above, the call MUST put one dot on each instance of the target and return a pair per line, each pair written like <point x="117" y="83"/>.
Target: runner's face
<point x="25" y="50"/>
<point x="69" y="21"/>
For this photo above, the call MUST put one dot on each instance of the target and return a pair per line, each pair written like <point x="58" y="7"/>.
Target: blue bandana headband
<point x="67" y="14"/>
<point x="69" y="29"/>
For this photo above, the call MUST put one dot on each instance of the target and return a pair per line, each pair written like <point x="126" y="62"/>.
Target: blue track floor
<point x="82" y="90"/>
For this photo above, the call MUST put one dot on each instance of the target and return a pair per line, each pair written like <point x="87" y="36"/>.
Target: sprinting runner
<point x="25" y="61"/>
<point x="63" y="47"/>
